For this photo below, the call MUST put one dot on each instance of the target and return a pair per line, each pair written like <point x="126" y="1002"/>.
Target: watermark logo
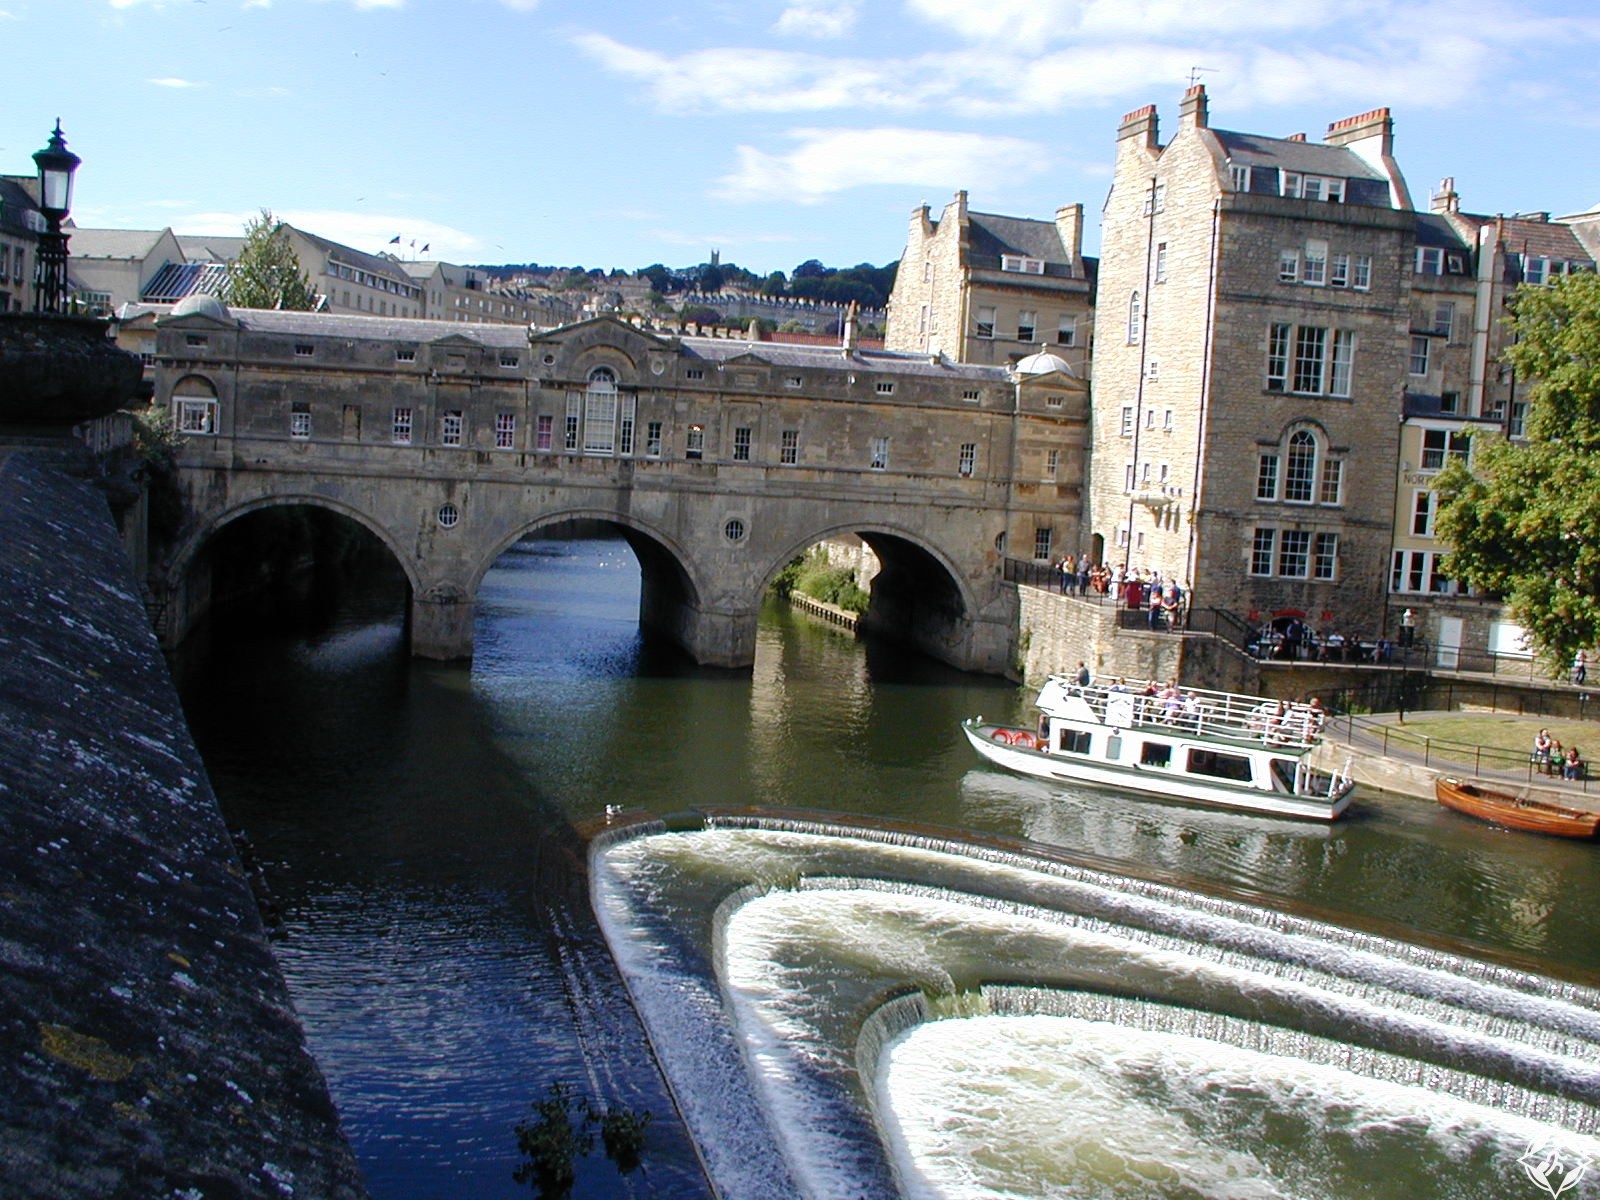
<point x="1552" y="1169"/>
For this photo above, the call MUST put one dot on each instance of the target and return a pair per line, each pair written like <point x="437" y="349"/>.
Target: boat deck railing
<point x="1204" y="713"/>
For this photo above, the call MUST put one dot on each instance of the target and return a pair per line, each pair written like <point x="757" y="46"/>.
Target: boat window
<point x="1220" y="766"/>
<point x="1156" y="754"/>
<point x="1283" y="774"/>
<point x="1114" y="747"/>
<point x="1074" y="741"/>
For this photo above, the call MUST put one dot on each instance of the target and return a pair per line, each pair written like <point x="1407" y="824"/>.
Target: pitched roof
<point x="1310" y="158"/>
<point x="16" y="202"/>
<point x="210" y="247"/>
<point x="1436" y="230"/>
<point x="176" y="280"/>
<point x="115" y="243"/>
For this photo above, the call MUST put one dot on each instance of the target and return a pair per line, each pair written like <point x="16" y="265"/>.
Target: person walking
<point x="1580" y="667"/>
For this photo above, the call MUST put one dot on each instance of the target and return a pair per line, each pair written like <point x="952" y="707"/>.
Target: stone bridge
<point x="719" y="460"/>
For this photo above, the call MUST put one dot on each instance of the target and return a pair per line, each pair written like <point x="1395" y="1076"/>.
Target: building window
<point x="405" y="356"/>
<point x="1440" y="445"/>
<point x="1422" y="514"/>
<point x="969" y="459"/>
<point x="1332" y="491"/>
<point x="600" y="412"/>
<point x="194" y="414"/>
<point x="1419" y="355"/>
<point x="1315" y="268"/>
<point x="695" y="446"/>
<point x="1278" y="357"/>
<point x="400" y="427"/>
<point x="544" y="433"/>
<point x="299" y="420"/>
<point x="694" y="373"/>
<point x="885" y="387"/>
<point x="303" y="350"/>
<point x="1022" y="263"/>
<point x="1449" y="402"/>
<point x="1027" y="325"/>
<point x="1133" y="319"/>
<point x="1161" y="262"/>
<point x="1430" y="260"/>
<point x="734" y="530"/>
<point x="986" y="316"/>
<point x="1261" y="548"/>
<point x="880" y="454"/>
<point x="1300" y="473"/>
<point x="1155" y="200"/>
<point x="1535" y="269"/>
<point x="1052" y="460"/>
<point x="1444" y="319"/>
<point x="505" y="431"/>
<point x="1127" y="421"/>
<point x="1362" y="279"/>
<point x="450" y="427"/>
<point x="508" y="360"/>
<point x="1339" y="271"/>
<point x="741" y="444"/>
<point x="1313" y="187"/>
<point x="1267" y="477"/>
<point x="1325" y="561"/>
<point x="1344" y="357"/>
<point x="1288" y="266"/>
<point x="1067" y="332"/>
<point x="1127" y="478"/>
<point x="1239" y="177"/>
<point x="1294" y="553"/>
<point x="448" y="516"/>
<point x="1314" y="372"/>
<point x="574" y="420"/>
<point x="789" y="447"/>
<point x="652" y="439"/>
<point x="970" y="394"/>
<point x="792" y="381"/>
<point x="1041" y="544"/>
<point x="194" y="339"/>
<point x="630" y="404"/>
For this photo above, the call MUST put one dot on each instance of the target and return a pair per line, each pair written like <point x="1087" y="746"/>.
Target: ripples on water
<point x="412" y="818"/>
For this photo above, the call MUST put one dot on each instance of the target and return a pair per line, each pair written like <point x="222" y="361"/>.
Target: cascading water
<point x="847" y="1012"/>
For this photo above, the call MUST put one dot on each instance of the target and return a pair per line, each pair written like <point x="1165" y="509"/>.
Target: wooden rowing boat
<point x="1515" y="809"/>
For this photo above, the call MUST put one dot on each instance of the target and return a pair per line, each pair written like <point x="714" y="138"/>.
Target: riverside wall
<point x="150" y="1046"/>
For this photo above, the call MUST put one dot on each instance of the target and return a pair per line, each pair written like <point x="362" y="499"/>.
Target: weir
<point x="783" y="963"/>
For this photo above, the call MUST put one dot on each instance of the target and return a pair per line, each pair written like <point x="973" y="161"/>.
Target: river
<point x="414" y="821"/>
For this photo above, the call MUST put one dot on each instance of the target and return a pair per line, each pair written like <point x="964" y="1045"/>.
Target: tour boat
<point x="1516" y="809"/>
<point x="1201" y="747"/>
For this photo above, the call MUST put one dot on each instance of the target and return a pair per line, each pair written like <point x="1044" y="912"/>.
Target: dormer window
<point x="1022" y="263"/>
<point x="1313" y="187"/>
<point x="1239" y="177"/>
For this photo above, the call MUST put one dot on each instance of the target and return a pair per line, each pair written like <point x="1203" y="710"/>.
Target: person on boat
<point x="1084" y="678"/>
<point x="1572" y="764"/>
<point x="1543" y="746"/>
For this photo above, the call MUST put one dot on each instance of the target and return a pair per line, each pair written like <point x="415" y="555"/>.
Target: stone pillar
<point x="441" y="623"/>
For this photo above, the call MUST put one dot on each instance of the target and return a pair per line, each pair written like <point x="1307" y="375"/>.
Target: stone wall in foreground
<point x="150" y="1049"/>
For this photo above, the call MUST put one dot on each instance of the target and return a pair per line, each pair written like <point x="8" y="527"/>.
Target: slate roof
<point x="209" y="247"/>
<point x="1436" y="230"/>
<point x="991" y="235"/>
<point x="782" y="354"/>
<point x="399" y="329"/>
<point x="1309" y="158"/>
<point x="16" y="200"/>
<point x="114" y="243"/>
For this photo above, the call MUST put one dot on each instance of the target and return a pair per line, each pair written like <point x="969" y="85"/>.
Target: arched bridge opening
<point x="292" y="564"/>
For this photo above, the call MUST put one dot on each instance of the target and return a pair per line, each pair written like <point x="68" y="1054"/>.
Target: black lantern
<point x="56" y="164"/>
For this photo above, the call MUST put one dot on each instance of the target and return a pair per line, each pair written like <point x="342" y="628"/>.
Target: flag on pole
<point x="395" y="240"/>
<point x="425" y="246"/>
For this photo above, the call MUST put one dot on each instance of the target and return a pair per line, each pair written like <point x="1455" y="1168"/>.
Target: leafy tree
<point x="267" y="273"/>
<point x="1524" y="519"/>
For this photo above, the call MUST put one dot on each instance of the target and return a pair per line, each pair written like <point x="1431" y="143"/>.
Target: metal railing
<point x="1445" y="754"/>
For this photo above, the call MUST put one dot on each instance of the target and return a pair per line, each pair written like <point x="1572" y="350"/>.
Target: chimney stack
<point x="1140" y="123"/>
<point x="1193" y="112"/>
<point x="1069" y="227"/>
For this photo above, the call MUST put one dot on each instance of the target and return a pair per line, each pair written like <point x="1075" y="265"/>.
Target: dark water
<point x="415" y="822"/>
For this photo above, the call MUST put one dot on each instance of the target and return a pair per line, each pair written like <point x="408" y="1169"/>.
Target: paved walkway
<point x="1397" y="766"/>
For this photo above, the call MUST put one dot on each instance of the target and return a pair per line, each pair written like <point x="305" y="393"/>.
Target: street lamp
<point x="56" y="164"/>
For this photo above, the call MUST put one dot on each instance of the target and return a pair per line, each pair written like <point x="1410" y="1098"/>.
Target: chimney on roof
<point x="1375" y="126"/>
<point x="1069" y="227"/>
<point x="1140" y="123"/>
<point x="1295" y="137"/>
<point x="1446" y="199"/>
<point x="1193" y="112"/>
<point x="849" y="330"/>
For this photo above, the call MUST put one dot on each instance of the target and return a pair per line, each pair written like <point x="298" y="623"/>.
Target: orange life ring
<point x="1026" y="741"/>
<point x="1002" y="735"/>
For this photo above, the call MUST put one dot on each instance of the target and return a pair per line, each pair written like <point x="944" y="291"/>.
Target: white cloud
<point x="172" y="81"/>
<point x="827" y="161"/>
<point x="362" y="231"/>
<point x="818" y="18"/>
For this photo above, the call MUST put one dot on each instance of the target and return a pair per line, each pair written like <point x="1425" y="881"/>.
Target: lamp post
<point x="56" y="164"/>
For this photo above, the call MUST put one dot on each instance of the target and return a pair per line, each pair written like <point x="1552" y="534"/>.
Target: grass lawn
<point x="1506" y="731"/>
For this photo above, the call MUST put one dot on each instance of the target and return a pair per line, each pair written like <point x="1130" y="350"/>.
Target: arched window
<point x="1300" y="472"/>
<point x="194" y="405"/>
<point x="600" y="412"/>
<point x="1133" y="319"/>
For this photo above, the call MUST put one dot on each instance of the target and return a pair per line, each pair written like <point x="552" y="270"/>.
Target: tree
<point x="267" y="273"/>
<point x="1523" y="520"/>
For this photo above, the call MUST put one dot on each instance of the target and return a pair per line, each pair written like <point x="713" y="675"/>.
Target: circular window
<point x="449" y="516"/>
<point x="734" y="530"/>
<point x="548" y="359"/>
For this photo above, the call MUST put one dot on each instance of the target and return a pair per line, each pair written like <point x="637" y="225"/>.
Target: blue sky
<point x="620" y="133"/>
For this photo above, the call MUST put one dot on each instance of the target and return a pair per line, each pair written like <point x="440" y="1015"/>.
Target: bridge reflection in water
<point x="842" y="1011"/>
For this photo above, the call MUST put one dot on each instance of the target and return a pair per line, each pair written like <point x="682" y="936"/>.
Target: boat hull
<point x="1515" y="810"/>
<point x="1061" y="768"/>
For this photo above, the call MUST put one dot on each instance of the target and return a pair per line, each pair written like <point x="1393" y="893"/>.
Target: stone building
<point x="20" y="225"/>
<point x="982" y="288"/>
<point x="1255" y="297"/>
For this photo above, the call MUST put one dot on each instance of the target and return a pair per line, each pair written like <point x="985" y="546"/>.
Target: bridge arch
<point x="184" y="592"/>
<point x="920" y="595"/>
